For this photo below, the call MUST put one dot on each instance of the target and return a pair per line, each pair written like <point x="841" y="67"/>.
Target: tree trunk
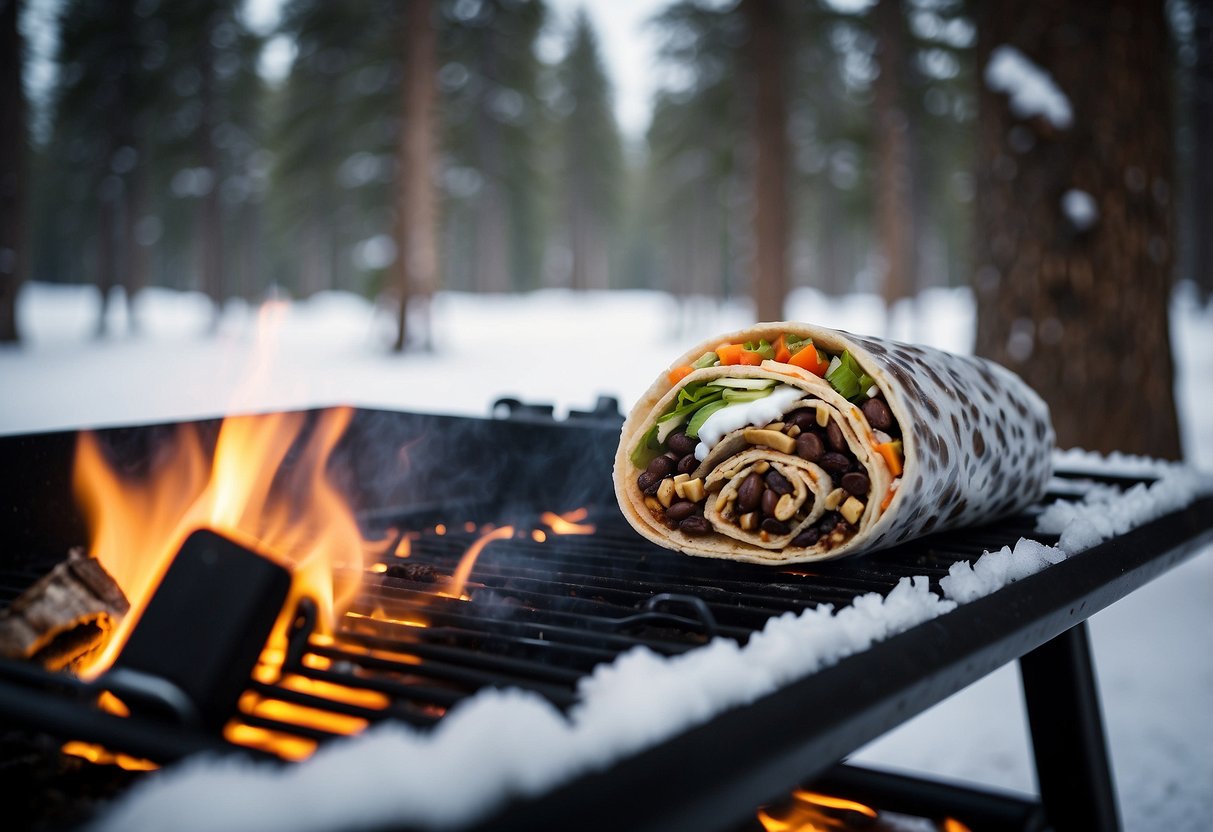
<point x="766" y="57"/>
<point x="492" y="263"/>
<point x="107" y="253"/>
<point x="416" y="233"/>
<point x="210" y="213"/>
<point x="894" y="181"/>
<point x="12" y="171"/>
<point x="135" y="273"/>
<point x="1080" y="309"/>
<point x="1202" y="155"/>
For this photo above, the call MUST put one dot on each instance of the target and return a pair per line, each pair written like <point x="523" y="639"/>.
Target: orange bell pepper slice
<point x="781" y="349"/>
<point x="892" y="457"/>
<point x="811" y="360"/>
<point x="732" y="354"/>
<point x="679" y="373"/>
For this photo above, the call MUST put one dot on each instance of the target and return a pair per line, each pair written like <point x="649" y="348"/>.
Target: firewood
<point x="65" y="616"/>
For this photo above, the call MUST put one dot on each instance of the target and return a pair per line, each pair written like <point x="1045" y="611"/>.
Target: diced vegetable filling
<point x="771" y="499"/>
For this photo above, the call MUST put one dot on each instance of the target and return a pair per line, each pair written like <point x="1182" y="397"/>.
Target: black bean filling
<point x="758" y="496"/>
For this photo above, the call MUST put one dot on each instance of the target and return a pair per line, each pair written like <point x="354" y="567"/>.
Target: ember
<point x="808" y="811"/>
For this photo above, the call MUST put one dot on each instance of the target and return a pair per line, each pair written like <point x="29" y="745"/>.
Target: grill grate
<point x="541" y="614"/>
<point x="538" y="613"/>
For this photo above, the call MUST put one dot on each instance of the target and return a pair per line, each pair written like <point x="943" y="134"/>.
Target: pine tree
<point x="492" y="116"/>
<point x="1201" y="184"/>
<point x="101" y="101"/>
<point x="696" y="142"/>
<point x="13" y="170"/>
<point x="592" y="156"/>
<point x="335" y="141"/>
<point x="894" y="150"/>
<point x="766" y="55"/>
<point x="416" y="241"/>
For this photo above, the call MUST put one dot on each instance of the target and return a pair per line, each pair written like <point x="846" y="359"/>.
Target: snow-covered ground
<point x="1155" y="669"/>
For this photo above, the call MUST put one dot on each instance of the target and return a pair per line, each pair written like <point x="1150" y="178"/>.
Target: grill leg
<point x="1062" y="700"/>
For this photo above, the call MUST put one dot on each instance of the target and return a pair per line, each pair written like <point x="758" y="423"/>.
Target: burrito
<point x="788" y="443"/>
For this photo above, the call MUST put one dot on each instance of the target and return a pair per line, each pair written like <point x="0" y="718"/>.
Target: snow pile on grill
<point x="503" y="744"/>
<point x="1103" y="513"/>
<point x="500" y="744"/>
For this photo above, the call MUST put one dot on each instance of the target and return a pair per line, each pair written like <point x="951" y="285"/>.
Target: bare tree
<point x="416" y="266"/>
<point x="767" y="53"/>
<point x="12" y="170"/>
<point x="1075" y="210"/>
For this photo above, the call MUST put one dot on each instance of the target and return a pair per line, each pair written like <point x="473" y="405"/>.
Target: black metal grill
<point x="541" y="614"/>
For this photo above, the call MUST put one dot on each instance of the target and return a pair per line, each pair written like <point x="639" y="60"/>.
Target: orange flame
<point x="459" y="580"/>
<point x="567" y="523"/>
<point x="812" y="812"/>
<point x="101" y="756"/>
<point x="294" y="516"/>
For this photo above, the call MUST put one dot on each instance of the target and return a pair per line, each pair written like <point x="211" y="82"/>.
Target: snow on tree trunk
<point x="1074" y="300"/>
<point x="416" y="263"/>
<point x="767" y="47"/>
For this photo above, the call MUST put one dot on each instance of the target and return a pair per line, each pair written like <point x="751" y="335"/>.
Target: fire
<point x="99" y="755"/>
<point x="567" y="523"/>
<point x="459" y="580"/>
<point x="809" y="811"/>
<point x="292" y="514"/>
<point x="813" y="812"/>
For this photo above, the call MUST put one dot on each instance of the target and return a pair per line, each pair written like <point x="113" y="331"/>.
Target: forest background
<point x="474" y="145"/>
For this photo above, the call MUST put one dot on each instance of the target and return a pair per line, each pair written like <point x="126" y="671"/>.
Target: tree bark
<point x="13" y="161"/>
<point x="416" y="264"/>
<point x="1080" y="310"/>
<point x="492" y="265"/>
<point x="107" y="255"/>
<point x="1202" y="155"/>
<point x="767" y="49"/>
<point x="210" y="212"/>
<point x="894" y="188"/>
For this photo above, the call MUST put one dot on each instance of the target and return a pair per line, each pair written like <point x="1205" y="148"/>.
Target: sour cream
<point x="745" y="414"/>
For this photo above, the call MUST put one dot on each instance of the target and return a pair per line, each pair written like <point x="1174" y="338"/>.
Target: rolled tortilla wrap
<point x="786" y="469"/>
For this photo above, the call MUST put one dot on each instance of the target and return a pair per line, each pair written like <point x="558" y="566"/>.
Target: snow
<point x="511" y="742"/>
<point x="1103" y="513"/>
<point x="566" y="348"/>
<point x="1080" y="209"/>
<point x="1032" y="90"/>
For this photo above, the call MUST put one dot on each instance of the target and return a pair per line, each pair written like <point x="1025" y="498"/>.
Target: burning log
<point x="65" y="616"/>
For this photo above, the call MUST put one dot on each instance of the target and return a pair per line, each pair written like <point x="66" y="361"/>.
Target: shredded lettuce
<point x="701" y="416"/>
<point x="647" y="449"/>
